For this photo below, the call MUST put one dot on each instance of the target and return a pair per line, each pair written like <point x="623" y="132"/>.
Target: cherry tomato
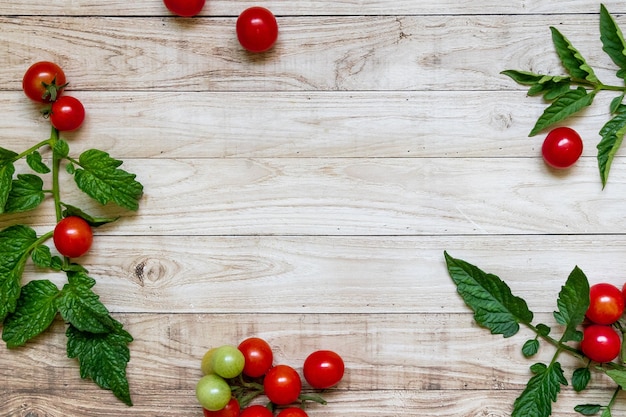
<point x="231" y="410"/>
<point x="282" y="385"/>
<point x="292" y="412"/>
<point x="606" y="304"/>
<point x="184" y="8"/>
<point x="227" y="361"/>
<point x="72" y="237"/>
<point x="562" y="147"/>
<point x="600" y="343"/>
<point x="258" y="355"/>
<point x="67" y="113"/>
<point x="256" y="411"/>
<point x="323" y="369"/>
<point x="213" y="392"/>
<point x="207" y="362"/>
<point x="43" y="82"/>
<point x="257" y="29"/>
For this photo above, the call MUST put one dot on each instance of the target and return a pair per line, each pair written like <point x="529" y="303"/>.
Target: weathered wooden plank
<point x="362" y="274"/>
<point x="410" y="360"/>
<point x="381" y="351"/>
<point x="388" y="403"/>
<point x="357" y="53"/>
<point x="314" y="7"/>
<point x="412" y="124"/>
<point x="366" y="196"/>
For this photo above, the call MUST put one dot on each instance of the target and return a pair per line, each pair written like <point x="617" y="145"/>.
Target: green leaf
<point x="612" y="134"/>
<point x="588" y="409"/>
<point x="571" y="58"/>
<point x="81" y="307"/>
<point x="26" y="194"/>
<point x="606" y="412"/>
<point x="41" y="256"/>
<point x="7" y="169"/>
<point x="543" y="330"/>
<point x="616" y="104"/>
<point x="93" y="221"/>
<point x="619" y="376"/>
<point x="61" y="148"/>
<point x="100" y="178"/>
<point x="103" y="358"/>
<point x="540" y="392"/>
<point x="35" y="162"/>
<point x="35" y="312"/>
<point x="613" y="41"/>
<point x="551" y="86"/>
<point x="16" y="242"/>
<point x="489" y="297"/>
<point x="580" y="379"/>
<point x="573" y="303"/>
<point x="530" y="348"/>
<point x="564" y="106"/>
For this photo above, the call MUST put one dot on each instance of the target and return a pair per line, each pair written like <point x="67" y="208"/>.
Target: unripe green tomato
<point x="207" y="362"/>
<point x="213" y="392"/>
<point x="228" y="361"/>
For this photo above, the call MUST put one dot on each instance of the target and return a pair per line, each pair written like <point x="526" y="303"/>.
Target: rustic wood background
<point x="306" y="195"/>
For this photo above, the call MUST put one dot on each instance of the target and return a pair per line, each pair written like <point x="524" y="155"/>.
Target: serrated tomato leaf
<point x="572" y="304"/>
<point x="489" y="297"/>
<point x="588" y="409"/>
<point x="612" y="134"/>
<point x="540" y="392"/>
<point x="70" y="210"/>
<point x="580" y="379"/>
<point x="613" y="40"/>
<point x="551" y="86"/>
<point x="16" y="242"/>
<point x="571" y="58"/>
<point x="35" y="312"/>
<point x="26" y="194"/>
<point x="619" y="376"/>
<point x="564" y="106"/>
<point x="530" y="348"/>
<point x="103" y="358"/>
<point x="81" y="307"/>
<point x="35" y="162"/>
<point x="7" y="169"/>
<point x="100" y="178"/>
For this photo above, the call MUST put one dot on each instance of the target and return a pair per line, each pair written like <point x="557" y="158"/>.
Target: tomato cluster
<point x="44" y="82"/>
<point x="601" y="341"/>
<point x="234" y="376"/>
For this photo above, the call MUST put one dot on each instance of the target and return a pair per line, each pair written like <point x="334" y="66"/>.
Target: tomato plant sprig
<point x="498" y="310"/>
<point x="96" y="339"/>
<point x="569" y="94"/>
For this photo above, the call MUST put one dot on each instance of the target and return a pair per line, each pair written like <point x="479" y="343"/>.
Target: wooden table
<point x="306" y="195"/>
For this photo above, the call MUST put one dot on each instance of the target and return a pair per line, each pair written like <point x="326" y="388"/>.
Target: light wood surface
<point x="306" y="195"/>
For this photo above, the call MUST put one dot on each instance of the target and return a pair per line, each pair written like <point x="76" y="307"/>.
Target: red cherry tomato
<point x="257" y="29"/>
<point x="72" y="237"/>
<point x="258" y="356"/>
<point x="256" y="411"/>
<point x="43" y="81"/>
<point x="231" y="410"/>
<point x="282" y="385"/>
<point x="600" y="343"/>
<point x="323" y="369"/>
<point x="606" y="304"/>
<point x="67" y="113"/>
<point x="562" y="147"/>
<point x="292" y="412"/>
<point x="184" y="8"/>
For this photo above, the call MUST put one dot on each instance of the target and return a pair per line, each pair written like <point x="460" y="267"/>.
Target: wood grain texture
<point x="307" y="195"/>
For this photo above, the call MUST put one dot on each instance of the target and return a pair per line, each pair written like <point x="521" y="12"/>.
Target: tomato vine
<point x="97" y="340"/>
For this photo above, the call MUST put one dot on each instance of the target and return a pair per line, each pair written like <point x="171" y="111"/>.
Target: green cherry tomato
<point x="228" y="361"/>
<point x="207" y="362"/>
<point x="213" y="392"/>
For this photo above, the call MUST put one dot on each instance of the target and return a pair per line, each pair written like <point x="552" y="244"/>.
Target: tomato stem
<point x="56" y="166"/>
